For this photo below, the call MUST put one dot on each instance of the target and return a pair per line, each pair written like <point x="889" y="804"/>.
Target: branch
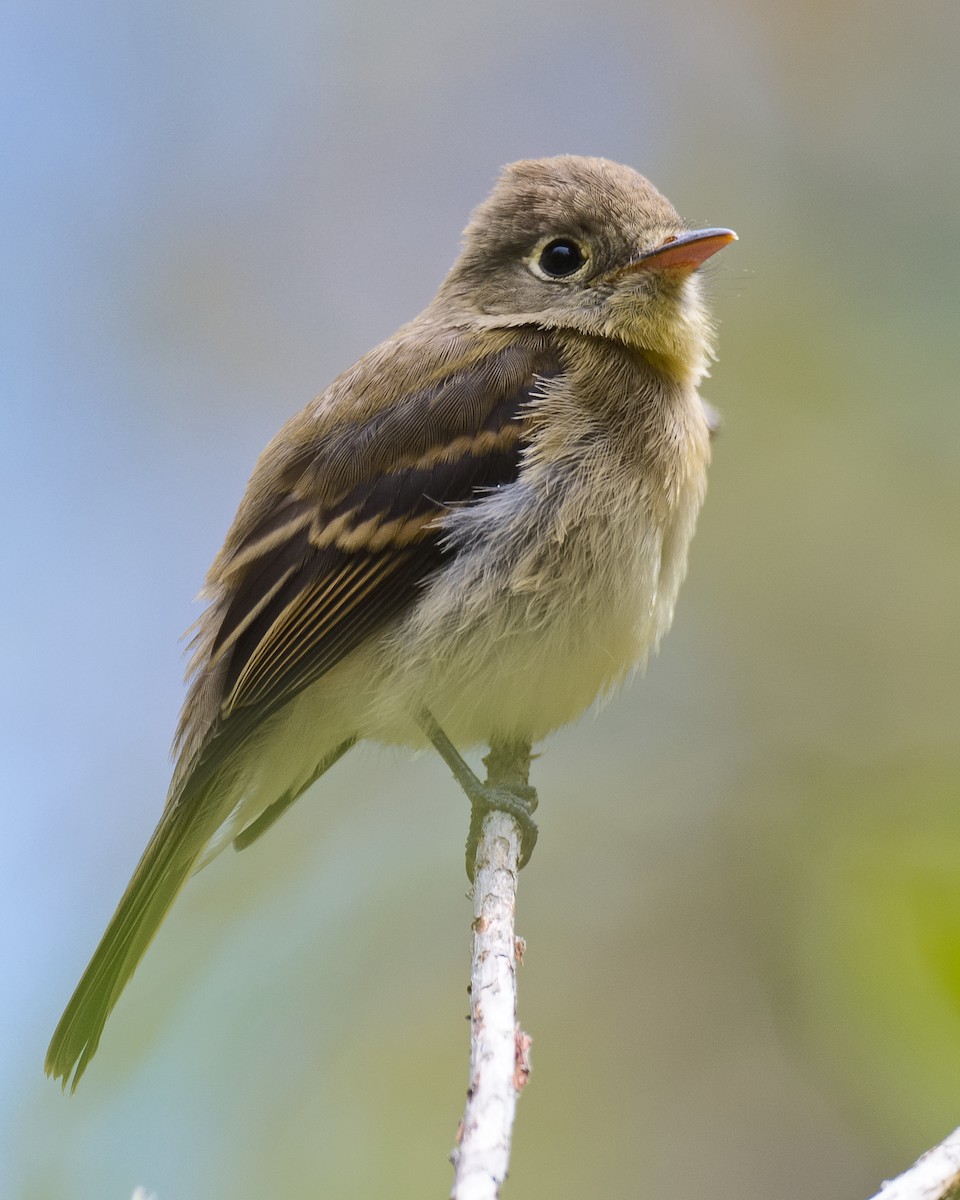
<point x="499" y="1049"/>
<point x="934" y="1176"/>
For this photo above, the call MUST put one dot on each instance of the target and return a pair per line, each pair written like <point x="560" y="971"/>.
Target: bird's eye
<point x="561" y="257"/>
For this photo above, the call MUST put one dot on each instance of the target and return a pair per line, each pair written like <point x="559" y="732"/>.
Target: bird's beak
<point x="683" y="253"/>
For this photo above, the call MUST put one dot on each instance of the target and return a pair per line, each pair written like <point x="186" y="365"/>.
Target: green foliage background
<point x="743" y="917"/>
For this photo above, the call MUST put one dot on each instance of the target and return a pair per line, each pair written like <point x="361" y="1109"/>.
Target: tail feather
<point x="171" y="853"/>
<point x="275" y="811"/>
<point x="195" y="812"/>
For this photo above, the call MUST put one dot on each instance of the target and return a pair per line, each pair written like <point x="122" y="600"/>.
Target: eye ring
<point x="559" y="258"/>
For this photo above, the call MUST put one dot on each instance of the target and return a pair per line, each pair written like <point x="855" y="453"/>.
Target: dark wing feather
<point x="351" y="542"/>
<point x="336" y="540"/>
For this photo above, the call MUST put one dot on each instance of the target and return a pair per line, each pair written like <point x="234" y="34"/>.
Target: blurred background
<point x="743" y="916"/>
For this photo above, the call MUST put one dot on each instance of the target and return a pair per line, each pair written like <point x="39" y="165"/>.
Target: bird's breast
<point x="556" y="588"/>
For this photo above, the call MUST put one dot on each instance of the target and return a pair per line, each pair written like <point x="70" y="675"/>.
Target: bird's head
<point x="585" y="244"/>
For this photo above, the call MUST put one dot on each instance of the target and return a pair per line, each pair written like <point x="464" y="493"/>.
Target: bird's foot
<point x="518" y="801"/>
<point x="506" y="789"/>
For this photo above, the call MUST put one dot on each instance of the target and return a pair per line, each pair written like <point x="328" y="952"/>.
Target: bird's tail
<point x="185" y="838"/>
<point x="176" y="844"/>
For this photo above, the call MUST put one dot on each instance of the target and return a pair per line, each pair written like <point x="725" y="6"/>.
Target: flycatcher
<point x="469" y="536"/>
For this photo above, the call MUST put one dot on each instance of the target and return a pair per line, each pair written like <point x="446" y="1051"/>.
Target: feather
<point x="348" y="541"/>
<point x="276" y="810"/>
<point x="350" y="533"/>
<point x="171" y="853"/>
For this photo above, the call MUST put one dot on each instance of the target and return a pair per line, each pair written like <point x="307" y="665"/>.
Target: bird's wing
<point x="334" y="537"/>
<point x="348" y="538"/>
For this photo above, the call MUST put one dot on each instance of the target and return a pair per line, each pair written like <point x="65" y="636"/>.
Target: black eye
<point x="561" y="257"/>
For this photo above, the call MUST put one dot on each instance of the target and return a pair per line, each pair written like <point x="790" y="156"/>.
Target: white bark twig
<point x="934" y="1176"/>
<point x="499" y="1050"/>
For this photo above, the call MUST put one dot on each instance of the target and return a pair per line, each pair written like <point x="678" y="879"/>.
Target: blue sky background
<point x="752" y="987"/>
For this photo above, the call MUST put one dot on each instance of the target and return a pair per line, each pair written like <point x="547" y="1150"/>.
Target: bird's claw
<point x="519" y="802"/>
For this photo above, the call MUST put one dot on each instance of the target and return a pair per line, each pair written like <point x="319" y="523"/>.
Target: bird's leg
<point x="506" y="789"/>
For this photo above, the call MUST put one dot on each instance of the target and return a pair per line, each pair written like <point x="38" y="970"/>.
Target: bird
<point x="470" y="536"/>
